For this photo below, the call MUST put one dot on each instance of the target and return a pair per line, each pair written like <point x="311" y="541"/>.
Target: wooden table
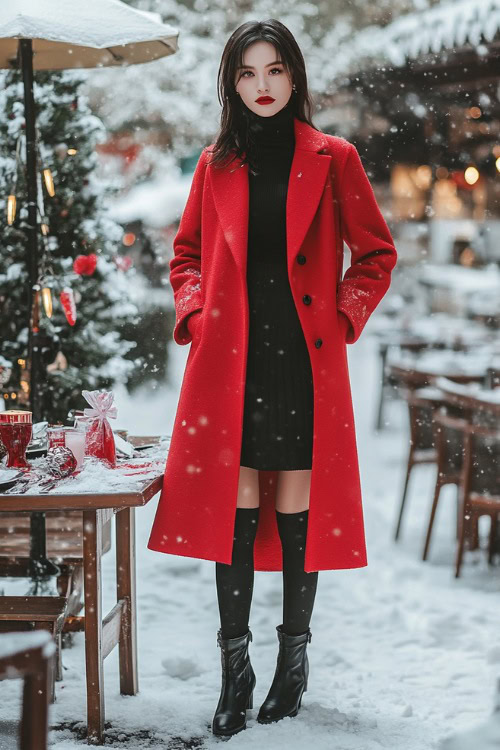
<point x="119" y="625"/>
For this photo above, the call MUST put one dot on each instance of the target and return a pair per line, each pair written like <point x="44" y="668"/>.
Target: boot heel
<point x="250" y="700"/>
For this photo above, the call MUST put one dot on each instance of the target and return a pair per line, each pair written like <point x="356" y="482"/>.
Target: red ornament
<point x="123" y="262"/>
<point x="69" y="306"/>
<point x="85" y="265"/>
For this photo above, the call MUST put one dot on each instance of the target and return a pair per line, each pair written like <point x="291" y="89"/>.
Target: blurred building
<point x="420" y="98"/>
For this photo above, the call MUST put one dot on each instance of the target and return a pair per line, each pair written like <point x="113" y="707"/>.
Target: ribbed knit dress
<point x="278" y="406"/>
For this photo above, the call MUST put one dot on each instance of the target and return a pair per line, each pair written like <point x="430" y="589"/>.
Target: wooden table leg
<point x="126" y="591"/>
<point x="92" y="546"/>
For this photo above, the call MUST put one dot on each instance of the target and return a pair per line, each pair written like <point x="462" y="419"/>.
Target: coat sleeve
<point x="373" y="255"/>
<point x="185" y="266"/>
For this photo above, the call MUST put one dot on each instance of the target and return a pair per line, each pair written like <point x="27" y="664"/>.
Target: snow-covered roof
<point x="442" y="27"/>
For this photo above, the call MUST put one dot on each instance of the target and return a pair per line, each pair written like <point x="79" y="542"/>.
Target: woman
<point x="262" y="473"/>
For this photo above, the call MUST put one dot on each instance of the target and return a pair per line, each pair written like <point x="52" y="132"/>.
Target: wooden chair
<point x="422" y="404"/>
<point x="65" y="547"/>
<point x="30" y="656"/>
<point x="479" y="487"/>
<point x="40" y="613"/>
<point x="448" y="432"/>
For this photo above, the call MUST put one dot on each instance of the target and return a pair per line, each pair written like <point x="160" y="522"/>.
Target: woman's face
<point x="263" y="82"/>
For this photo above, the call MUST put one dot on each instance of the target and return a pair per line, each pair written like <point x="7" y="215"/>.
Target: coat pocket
<point x="193" y="323"/>
<point x="344" y="324"/>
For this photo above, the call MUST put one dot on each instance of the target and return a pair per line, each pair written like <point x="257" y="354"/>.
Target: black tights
<point x="235" y="582"/>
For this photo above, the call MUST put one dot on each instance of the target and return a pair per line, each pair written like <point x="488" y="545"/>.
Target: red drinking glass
<point x="16" y="430"/>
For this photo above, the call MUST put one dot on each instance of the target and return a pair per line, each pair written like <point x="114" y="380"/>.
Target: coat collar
<point x="310" y="166"/>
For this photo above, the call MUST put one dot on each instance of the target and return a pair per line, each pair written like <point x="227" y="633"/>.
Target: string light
<point x="474" y="112"/>
<point x="47" y="301"/>
<point x="49" y="182"/>
<point x="11" y="209"/>
<point x="11" y="200"/>
<point x="128" y="239"/>
<point x="72" y="151"/>
<point x="471" y="175"/>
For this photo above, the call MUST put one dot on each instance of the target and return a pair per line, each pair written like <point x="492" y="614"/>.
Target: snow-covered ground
<point x="402" y="653"/>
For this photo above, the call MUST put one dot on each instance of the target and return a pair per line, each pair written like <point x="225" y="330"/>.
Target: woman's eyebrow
<point x="240" y="67"/>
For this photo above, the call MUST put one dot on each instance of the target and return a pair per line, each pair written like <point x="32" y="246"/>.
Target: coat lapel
<point x="308" y="172"/>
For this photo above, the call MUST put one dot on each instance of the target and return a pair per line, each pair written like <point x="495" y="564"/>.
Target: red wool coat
<point x="329" y="200"/>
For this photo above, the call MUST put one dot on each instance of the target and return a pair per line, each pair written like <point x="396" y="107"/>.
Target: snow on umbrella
<point x="55" y="35"/>
<point x="70" y="34"/>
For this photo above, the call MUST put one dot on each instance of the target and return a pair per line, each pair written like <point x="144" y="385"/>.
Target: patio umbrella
<point x="56" y="35"/>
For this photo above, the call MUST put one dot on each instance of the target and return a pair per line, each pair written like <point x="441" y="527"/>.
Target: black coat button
<point x="301" y="259"/>
<point x="318" y="343"/>
<point x="307" y="299"/>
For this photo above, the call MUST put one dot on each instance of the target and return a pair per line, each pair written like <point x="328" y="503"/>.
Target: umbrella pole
<point x="26" y="56"/>
<point x="40" y="567"/>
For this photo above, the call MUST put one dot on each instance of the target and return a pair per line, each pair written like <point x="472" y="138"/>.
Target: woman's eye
<point x="244" y="74"/>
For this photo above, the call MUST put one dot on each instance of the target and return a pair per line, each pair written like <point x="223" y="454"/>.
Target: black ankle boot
<point x="238" y="682"/>
<point x="290" y="679"/>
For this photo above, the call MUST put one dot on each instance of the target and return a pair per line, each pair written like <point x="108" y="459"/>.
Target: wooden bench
<point x="31" y="657"/>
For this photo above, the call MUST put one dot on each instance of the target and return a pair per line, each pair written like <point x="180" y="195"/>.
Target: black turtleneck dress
<point x="278" y="406"/>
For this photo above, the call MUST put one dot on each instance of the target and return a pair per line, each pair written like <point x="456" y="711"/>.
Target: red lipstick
<point x="265" y="100"/>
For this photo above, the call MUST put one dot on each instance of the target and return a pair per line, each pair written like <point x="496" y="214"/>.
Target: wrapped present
<point x="100" y="441"/>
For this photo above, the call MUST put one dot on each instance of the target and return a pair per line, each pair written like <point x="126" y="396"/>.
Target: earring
<point x="294" y="88"/>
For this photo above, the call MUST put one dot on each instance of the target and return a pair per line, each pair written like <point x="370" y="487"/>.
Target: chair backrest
<point x="481" y="470"/>
<point x="421" y="410"/>
<point x="64" y="539"/>
<point x="449" y="436"/>
<point x="407" y="378"/>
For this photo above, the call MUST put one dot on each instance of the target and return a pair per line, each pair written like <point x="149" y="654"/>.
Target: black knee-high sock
<point x="235" y="582"/>
<point x="299" y="587"/>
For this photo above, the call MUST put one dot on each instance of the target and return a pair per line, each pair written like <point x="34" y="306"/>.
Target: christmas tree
<point x="84" y="288"/>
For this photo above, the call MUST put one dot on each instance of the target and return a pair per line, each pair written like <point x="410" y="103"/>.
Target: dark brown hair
<point x="233" y="137"/>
